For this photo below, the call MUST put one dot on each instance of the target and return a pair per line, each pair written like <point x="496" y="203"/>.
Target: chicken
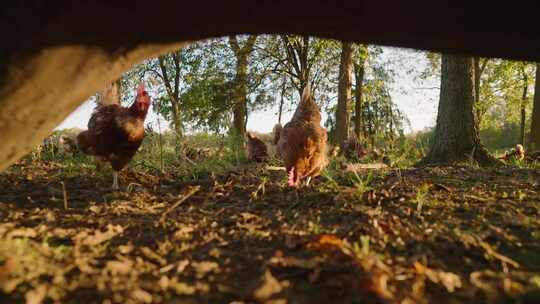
<point x="518" y="153"/>
<point x="256" y="148"/>
<point x="115" y="133"/>
<point x="301" y="143"/>
<point x="353" y="149"/>
<point x="67" y="145"/>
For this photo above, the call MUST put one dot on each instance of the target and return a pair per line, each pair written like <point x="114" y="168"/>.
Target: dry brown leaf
<point x="23" y="232"/>
<point x="119" y="267"/>
<point x="449" y="280"/>
<point x="125" y="249"/>
<point x="181" y="288"/>
<point x="36" y="295"/>
<point x="142" y="296"/>
<point x="182" y="266"/>
<point x="204" y="267"/>
<point x="269" y="287"/>
<point x="150" y="254"/>
<point x="98" y="237"/>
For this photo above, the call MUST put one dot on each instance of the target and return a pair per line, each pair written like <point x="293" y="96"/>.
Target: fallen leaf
<point x="182" y="266"/>
<point x="269" y="287"/>
<point x="142" y="296"/>
<point x="37" y="295"/>
<point x="204" y="267"/>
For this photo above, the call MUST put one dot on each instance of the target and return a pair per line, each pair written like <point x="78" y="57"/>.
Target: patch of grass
<point x="421" y="193"/>
<point x="362" y="184"/>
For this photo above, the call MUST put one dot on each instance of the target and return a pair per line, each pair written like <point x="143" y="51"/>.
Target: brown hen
<point x="115" y="133"/>
<point x="301" y="143"/>
<point x="256" y="148"/>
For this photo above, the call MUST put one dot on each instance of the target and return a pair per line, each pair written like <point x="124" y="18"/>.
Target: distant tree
<point x="359" y="73"/>
<point x="479" y="68"/>
<point x="240" y="91"/>
<point x="344" y="94"/>
<point x="535" y="121"/>
<point x="456" y="136"/>
<point x="523" y="104"/>
<point x="168" y="76"/>
<point x="296" y="61"/>
<point x="170" y="71"/>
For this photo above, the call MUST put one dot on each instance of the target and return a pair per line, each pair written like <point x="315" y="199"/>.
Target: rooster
<point x="256" y="148"/>
<point x="115" y="133"/>
<point x="301" y="143"/>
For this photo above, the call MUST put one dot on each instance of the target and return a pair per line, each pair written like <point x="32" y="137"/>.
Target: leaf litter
<point x="423" y="235"/>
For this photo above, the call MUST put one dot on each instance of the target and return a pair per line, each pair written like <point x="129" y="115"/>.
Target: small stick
<point x="65" y="195"/>
<point x="188" y="194"/>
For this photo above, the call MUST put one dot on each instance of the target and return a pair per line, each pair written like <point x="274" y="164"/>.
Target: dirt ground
<point x="430" y="235"/>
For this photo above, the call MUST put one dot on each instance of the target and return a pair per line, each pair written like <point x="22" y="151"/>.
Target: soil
<point x="425" y="235"/>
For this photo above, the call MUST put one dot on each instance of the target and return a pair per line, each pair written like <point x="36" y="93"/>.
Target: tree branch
<point x="165" y="76"/>
<point x="233" y="42"/>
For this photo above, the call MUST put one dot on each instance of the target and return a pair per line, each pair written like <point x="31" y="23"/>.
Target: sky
<point x="417" y="101"/>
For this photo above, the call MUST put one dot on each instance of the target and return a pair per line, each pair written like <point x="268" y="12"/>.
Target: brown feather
<point x="256" y="148"/>
<point x="302" y="141"/>
<point x="114" y="133"/>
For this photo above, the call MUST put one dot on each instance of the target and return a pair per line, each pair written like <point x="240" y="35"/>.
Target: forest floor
<point x="428" y="235"/>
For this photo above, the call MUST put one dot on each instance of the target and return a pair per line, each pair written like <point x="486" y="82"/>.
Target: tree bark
<point x="240" y="83"/>
<point x="177" y="123"/>
<point x="478" y="71"/>
<point x="477" y="75"/>
<point x="456" y="136"/>
<point x="523" y="107"/>
<point x="173" y="91"/>
<point x="535" y="120"/>
<point x="359" y="71"/>
<point x="344" y="95"/>
<point x="282" y="99"/>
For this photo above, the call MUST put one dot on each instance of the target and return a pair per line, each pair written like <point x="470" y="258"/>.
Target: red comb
<point x="141" y="88"/>
<point x="291" y="177"/>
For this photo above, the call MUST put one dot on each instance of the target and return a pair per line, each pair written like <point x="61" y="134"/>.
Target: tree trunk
<point x="177" y="124"/>
<point x="282" y="99"/>
<point x="456" y="136"/>
<point x="240" y="83"/>
<point x="344" y="95"/>
<point x="477" y="75"/>
<point x="359" y="71"/>
<point x="239" y="96"/>
<point x="370" y="129"/>
<point x="523" y="108"/>
<point x="172" y="86"/>
<point x="535" y="121"/>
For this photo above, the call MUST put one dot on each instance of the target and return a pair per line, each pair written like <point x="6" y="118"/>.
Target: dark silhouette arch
<point x="55" y="54"/>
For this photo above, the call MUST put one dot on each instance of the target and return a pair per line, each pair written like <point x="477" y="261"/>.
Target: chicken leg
<point x="115" y="181"/>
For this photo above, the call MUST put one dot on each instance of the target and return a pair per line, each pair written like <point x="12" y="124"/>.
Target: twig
<point x="189" y="160"/>
<point x="188" y="194"/>
<point x="65" y="195"/>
